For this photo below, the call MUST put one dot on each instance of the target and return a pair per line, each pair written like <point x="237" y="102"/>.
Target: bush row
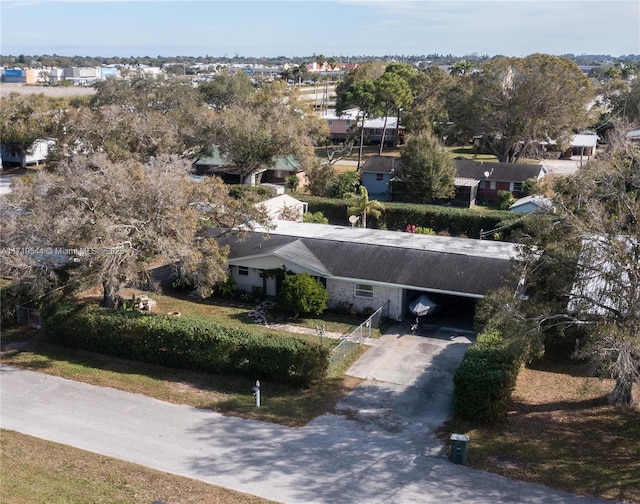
<point x="485" y="379"/>
<point x="186" y="342"/>
<point x="397" y="216"/>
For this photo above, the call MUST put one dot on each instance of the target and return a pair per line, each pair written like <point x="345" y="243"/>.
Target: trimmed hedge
<point x="187" y="343"/>
<point x="396" y="216"/>
<point x="485" y="379"/>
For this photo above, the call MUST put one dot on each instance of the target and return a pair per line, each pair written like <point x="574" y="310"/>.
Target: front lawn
<point x="561" y="432"/>
<point x="36" y="471"/>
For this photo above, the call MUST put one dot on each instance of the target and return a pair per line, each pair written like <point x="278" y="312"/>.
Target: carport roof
<point x="436" y="263"/>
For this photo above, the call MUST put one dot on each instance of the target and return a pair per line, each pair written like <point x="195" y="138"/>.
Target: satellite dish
<point x="353" y="219"/>
<point x="486" y="174"/>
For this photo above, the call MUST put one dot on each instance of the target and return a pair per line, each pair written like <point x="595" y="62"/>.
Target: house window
<point x="364" y="291"/>
<point x="330" y="122"/>
<point x="517" y="186"/>
<point x="243" y="270"/>
<point x="492" y="185"/>
<point x="347" y="123"/>
<point x="379" y="176"/>
<point x="321" y="280"/>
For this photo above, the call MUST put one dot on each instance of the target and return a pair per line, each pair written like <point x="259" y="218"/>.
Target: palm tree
<point x="287" y="74"/>
<point x="363" y="206"/>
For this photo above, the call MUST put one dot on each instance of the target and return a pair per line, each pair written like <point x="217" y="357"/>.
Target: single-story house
<point x="220" y="166"/>
<point x="494" y="176"/>
<point x="283" y="207"/>
<point x="474" y="180"/>
<point x="534" y="203"/>
<point x="583" y="144"/>
<point x="377" y="174"/>
<point x="369" y="268"/>
<point x="35" y="155"/>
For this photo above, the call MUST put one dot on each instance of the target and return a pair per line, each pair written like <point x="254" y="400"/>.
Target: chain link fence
<point x="28" y="316"/>
<point x="355" y="338"/>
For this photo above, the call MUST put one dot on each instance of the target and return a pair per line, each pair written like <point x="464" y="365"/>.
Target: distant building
<point x="19" y="76"/>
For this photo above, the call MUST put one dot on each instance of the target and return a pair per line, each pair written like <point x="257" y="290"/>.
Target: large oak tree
<point x="515" y="102"/>
<point x="583" y="271"/>
<point x="107" y="222"/>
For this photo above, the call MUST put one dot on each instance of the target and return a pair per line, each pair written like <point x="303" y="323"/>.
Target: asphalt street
<point x="383" y="451"/>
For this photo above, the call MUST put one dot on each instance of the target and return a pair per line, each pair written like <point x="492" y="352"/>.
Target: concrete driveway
<point x="409" y="378"/>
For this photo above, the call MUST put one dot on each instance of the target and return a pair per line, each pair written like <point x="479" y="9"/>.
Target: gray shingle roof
<point x="455" y="265"/>
<point x="381" y="164"/>
<point x="511" y="172"/>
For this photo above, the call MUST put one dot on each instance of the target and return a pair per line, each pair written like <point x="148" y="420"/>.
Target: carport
<point x="456" y="310"/>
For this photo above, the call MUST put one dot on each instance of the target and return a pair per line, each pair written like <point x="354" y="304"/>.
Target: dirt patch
<point x="50" y="91"/>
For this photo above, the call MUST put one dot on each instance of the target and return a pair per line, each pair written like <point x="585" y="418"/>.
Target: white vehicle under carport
<point x="423" y="306"/>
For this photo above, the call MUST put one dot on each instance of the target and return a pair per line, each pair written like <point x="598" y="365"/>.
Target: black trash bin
<point x="459" y="443"/>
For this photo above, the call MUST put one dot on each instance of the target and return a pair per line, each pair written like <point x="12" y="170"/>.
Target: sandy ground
<point x="53" y="91"/>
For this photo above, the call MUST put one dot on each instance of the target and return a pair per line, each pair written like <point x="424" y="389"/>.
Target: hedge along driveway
<point x="187" y="343"/>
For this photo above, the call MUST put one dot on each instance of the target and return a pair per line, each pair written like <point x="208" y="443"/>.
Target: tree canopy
<point x="27" y="118"/>
<point x="583" y="271"/>
<point x="108" y="222"/>
<point x="427" y="172"/>
<point x="514" y="102"/>
<point x="138" y="118"/>
<point x="273" y="123"/>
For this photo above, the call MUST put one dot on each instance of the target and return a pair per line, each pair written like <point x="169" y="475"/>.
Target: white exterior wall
<point x="249" y="281"/>
<point x="253" y="279"/>
<point x="338" y="291"/>
<point x="389" y="297"/>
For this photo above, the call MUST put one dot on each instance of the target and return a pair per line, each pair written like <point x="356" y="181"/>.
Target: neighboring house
<point x="34" y="155"/>
<point x="340" y="125"/>
<point x="343" y="125"/>
<point x="369" y="268"/>
<point x="603" y="283"/>
<point x="535" y="203"/>
<point x="634" y="136"/>
<point x="583" y="145"/>
<point x="377" y="174"/>
<point x="220" y="166"/>
<point x="373" y="129"/>
<point x="283" y="207"/>
<point x="494" y="176"/>
<point x="474" y="180"/>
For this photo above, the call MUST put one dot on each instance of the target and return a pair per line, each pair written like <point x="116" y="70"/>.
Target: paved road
<point x="384" y="453"/>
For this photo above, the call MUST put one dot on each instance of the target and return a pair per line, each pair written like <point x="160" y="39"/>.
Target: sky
<point x="339" y="28"/>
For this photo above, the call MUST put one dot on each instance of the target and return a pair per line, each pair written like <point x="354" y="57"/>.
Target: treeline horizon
<point x="56" y="60"/>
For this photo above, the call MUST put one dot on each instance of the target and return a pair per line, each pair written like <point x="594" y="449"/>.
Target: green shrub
<point x="397" y="216"/>
<point x="485" y="379"/>
<point x="315" y="218"/>
<point x="187" y="343"/>
<point x="504" y="199"/>
<point x="302" y="294"/>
